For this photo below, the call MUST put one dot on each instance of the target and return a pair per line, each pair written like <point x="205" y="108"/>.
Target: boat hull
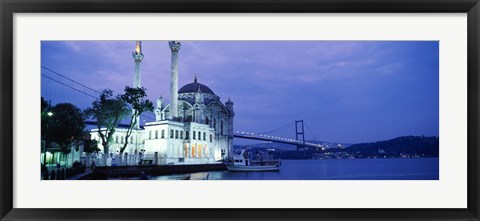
<point x="253" y="168"/>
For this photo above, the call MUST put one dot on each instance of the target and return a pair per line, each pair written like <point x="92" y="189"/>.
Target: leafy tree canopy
<point x="108" y="111"/>
<point x="90" y="146"/>
<point x="65" y="125"/>
<point x="44" y="105"/>
<point x="135" y="98"/>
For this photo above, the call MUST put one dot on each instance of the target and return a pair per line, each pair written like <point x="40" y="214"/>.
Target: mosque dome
<point x="193" y="88"/>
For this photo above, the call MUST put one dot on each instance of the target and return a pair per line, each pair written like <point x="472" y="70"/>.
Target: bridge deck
<point x="275" y="140"/>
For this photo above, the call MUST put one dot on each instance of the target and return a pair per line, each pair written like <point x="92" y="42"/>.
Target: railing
<point x="54" y="173"/>
<point x="120" y="160"/>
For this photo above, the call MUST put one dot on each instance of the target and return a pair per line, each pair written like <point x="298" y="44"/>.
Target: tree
<point x="108" y="111"/>
<point x="45" y="118"/>
<point x="44" y="105"/>
<point x="90" y="146"/>
<point x="65" y="126"/>
<point x="135" y="98"/>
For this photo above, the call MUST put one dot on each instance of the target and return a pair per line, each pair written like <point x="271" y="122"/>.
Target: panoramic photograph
<point x="239" y="110"/>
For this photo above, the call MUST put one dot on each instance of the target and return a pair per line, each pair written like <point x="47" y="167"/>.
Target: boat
<point x="199" y="176"/>
<point x="243" y="162"/>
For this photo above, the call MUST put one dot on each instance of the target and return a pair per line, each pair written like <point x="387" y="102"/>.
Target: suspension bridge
<point x="61" y="88"/>
<point x="299" y="141"/>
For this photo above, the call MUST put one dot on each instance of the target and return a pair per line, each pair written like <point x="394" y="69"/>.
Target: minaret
<point x="137" y="58"/>
<point x="229" y="106"/>
<point x="158" y="110"/>
<point x="200" y="106"/>
<point x="174" y="47"/>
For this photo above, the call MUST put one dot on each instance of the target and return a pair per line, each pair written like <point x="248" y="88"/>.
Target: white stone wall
<point x="137" y="137"/>
<point x="200" y="147"/>
<point x="181" y="149"/>
<point x="175" y="147"/>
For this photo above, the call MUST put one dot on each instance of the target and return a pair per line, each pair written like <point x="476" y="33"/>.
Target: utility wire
<point x="149" y="117"/>
<point x="76" y="82"/>
<point x="69" y="86"/>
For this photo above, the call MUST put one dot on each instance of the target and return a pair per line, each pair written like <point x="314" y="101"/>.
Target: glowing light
<point x="138" y="48"/>
<point x="49" y="114"/>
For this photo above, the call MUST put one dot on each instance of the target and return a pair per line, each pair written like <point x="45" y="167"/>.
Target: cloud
<point x="339" y="86"/>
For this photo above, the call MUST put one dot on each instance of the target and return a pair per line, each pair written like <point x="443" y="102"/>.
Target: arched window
<point x="199" y="135"/>
<point x="163" y="134"/>
<point x="156" y="134"/>
<point x="149" y="135"/>
<point x="204" y="136"/>
<point x="116" y="139"/>
<point x="193" y="135"/>
<point x="176" y="134"/>
<point x="181" y="134"/>
<point x="185" y="150"/>
<point x="171" y="134"/>
<point x="186" y="135"/>
<point x="210" y="138"/>
<point x="121" y="139"/>
<point x="199" y="150"/>
<point x="214" y="123"/>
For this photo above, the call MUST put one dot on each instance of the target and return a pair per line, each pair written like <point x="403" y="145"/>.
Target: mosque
<point x="194" y="128"/>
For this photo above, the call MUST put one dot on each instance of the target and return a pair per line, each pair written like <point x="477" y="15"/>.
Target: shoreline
<point x="150" y="170"/>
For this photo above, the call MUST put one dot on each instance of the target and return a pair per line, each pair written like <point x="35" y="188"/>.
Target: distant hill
<point x="411" y="145"/>
<point x="407" y="146"/>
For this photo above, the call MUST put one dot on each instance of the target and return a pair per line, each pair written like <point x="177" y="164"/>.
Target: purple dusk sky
<point x="345" y="91"/>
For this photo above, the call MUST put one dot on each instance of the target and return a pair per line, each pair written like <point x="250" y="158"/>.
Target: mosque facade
<point x="194" y="128"/>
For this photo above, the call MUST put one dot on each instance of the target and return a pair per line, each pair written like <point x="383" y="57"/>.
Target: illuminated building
<point x="196" y="127"/>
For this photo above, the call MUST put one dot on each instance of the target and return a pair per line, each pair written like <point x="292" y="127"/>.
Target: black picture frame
<point x="9" y="7"/>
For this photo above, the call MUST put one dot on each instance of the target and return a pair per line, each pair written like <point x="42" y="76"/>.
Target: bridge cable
<point x="283" y="127"/>
<point x="308" y="128"/>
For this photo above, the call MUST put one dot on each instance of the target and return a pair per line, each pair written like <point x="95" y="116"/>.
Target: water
<point x="344" y="169"/>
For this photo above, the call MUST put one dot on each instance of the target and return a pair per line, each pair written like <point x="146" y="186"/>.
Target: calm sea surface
<point x="345" y="169"/>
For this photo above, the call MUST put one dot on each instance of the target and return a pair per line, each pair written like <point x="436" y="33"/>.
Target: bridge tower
<point x="300" y="134"/>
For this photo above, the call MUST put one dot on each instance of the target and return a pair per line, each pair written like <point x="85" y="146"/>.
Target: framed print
<point x="231" y="110"/>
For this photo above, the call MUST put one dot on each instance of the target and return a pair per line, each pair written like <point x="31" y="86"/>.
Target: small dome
<point x="193" y="88"/>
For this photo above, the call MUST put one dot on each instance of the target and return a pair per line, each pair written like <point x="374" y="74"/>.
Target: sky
<point x="345" y="91"/>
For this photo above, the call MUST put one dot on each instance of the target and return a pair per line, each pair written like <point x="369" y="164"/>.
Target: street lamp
<point x="49" y="114"/>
